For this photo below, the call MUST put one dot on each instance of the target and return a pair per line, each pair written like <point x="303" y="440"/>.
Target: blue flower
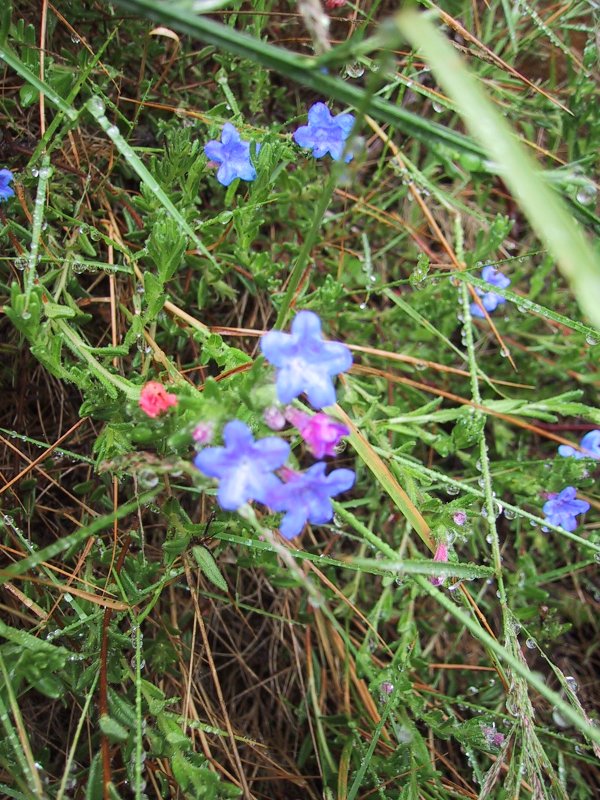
<point x="590" y="444"/>
<point x="561" y="509"/>
<point x="6" y="191"/>
<point x="306" y="496"/>
<point x="324" y="133"/>
<point x="490" y="300"/>
<point x="233" y="155"/>
<point x="305" y="362"/>
<point x="244" y="466"/>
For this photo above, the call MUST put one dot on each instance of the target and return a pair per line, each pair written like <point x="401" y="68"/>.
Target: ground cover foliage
<point x="154" y="645"/>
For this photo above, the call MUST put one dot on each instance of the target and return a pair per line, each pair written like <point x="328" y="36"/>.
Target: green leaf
<point x="113" y="729"/>
<point x="166" y="247"/>
<point x="208" y="565"/>
<point x="153" y="295"/>
<point x="94" y="788"/>
<point x="58" y="311"/>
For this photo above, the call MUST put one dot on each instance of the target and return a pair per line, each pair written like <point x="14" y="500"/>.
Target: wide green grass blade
<point x="303" y="70"/>
<point x="545" y="210"/>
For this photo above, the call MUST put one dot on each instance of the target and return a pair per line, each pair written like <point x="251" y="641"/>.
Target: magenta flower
<point x="305" y="497"/>
<point x="321" y="433"/>
<point x="493" y="737"/>
<point x="441" y="554"/>
<point x="305" y="361"/>
<point x="459" y="517"/>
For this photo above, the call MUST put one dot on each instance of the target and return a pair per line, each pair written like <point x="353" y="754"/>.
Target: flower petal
<point x="292" y="523"/>
<point x="306" y="325"/>
<point x="319" y="115"/>
<point x="214" y="151"/>
<point x="304" y="136"/>
<point x="213" y="461"/>
<point x="277" y="347"/>
<point x="273" y="452"/>
<point x="237" y="435"/>
<point x="226" y="173"/>
<point x="230" y="135"/>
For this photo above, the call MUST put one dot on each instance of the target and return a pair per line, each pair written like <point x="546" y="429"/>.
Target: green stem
<point x="484" y="461"/>
<point x="307" y="246"/>
<point x="81" y="349"/>
<point x="519" y="667"/>
<point x="38" y="216"/>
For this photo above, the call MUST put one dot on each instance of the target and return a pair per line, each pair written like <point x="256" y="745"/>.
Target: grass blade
<point x="545" y="210"/>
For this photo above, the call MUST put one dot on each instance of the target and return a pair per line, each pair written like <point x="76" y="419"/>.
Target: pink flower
<point x="274" y="418"/>
<point x="334" y="3"/>
<point x="154" y="399"/>
<point x="459" y="517"/>
<point x="203" y="433"/>
<point x="493" y="737"/>
<point x="320" y="432"/>
<point x="441" y="554"/>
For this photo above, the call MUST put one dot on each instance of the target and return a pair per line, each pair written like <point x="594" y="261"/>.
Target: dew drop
<point x="571" y="683"/>
<point x="96" y="105"/>
<point x="147" y="478"/>
<point x="586" y="194"/>
<point x="355" y="70"/>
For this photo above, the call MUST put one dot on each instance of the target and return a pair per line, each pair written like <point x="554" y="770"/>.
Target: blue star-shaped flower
<point x="561" y="509"/>
<point x="306" y="497"/>
<point x="6" y="191"/>
<point x="490" y="300"/>
<point x="244" y="466"/>
<point x="233" y="155"/>
<point x="324" y="133"/>
<point x="590" y="444"/>
<point x="304" y="361"/>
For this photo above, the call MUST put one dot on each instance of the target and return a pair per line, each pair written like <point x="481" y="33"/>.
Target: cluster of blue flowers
<point x="254" y="469"/>
<point x="324" y="134"/>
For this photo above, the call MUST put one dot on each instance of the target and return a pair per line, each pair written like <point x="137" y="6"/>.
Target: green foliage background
<point x="153" y="645"/>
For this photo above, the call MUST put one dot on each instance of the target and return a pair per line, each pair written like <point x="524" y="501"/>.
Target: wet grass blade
<point x="545" y="210"/>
